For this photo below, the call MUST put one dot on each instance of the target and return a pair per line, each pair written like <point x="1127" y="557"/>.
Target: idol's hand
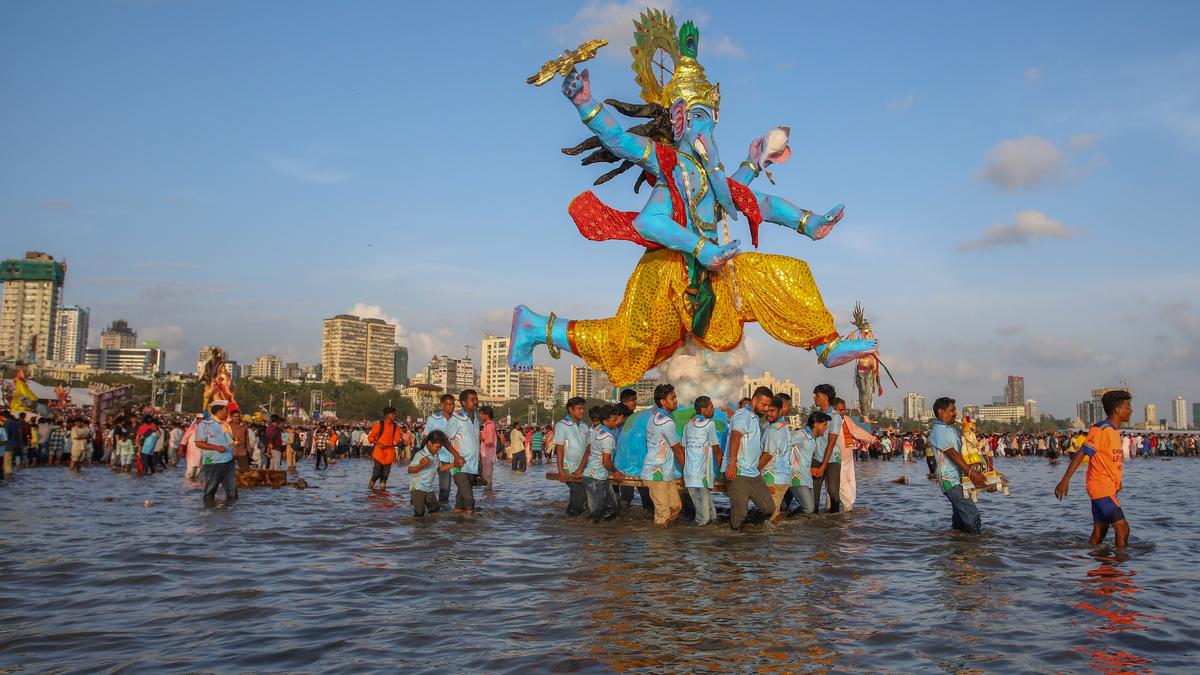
<point x="577" y="87"/>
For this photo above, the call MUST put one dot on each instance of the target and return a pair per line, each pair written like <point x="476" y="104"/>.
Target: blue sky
<point x="1019" y="179"/>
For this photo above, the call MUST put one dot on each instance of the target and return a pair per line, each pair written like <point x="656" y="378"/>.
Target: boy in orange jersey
<point x="1105" y="466"/>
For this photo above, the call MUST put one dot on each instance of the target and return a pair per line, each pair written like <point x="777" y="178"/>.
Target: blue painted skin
<point x="695" y="131"/>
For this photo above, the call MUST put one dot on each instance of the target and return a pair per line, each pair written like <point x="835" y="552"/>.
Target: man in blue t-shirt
<point x="946" y="442"/>
<point x="216" y="452"/>
<point x="743" y="467"/>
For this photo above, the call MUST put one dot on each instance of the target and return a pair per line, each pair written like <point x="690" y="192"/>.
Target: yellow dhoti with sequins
<point x="656" y="313"/>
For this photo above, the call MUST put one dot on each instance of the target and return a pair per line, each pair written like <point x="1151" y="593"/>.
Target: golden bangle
<point x="752" y="166"/>
<point x="699" y="245"/>
<point x="555" y="352"/>
<point x="803" y="220"/>
<point x="592" y="115"/>
<point x="646" y="155"/>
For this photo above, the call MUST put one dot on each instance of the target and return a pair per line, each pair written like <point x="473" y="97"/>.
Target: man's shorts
<point x="380" y="471"/>
<point x="1106" y="510"/>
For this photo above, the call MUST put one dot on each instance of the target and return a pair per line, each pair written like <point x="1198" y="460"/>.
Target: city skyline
<point x="978" y="181"/>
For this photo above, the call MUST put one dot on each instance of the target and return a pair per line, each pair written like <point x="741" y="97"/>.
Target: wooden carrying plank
<point x="632" y="482"/>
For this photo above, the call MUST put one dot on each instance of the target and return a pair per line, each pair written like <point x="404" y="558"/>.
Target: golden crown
<point x="655" y="32"/>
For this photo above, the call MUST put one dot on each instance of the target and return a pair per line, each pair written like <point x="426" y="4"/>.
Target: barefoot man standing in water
<point x="1105" y="468"/>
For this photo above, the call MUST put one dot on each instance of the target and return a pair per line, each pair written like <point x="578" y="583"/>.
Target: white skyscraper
<point x="583" y="381"/>
<point x="70" y="334"/>
<point x="495" y="377"/>
<point x="1179" y="418"/>
<point x="914" y="406"/>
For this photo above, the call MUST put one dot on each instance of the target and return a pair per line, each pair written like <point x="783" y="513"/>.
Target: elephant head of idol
<point x="695" y="109"/>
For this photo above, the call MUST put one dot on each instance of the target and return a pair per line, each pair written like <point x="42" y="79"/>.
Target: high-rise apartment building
<point x="1151" y="414"/>
<point x="118" y="335"/>
<point x="1014" y="391"/>
<point x="914" y="406"/>
<point x="785" y="386"/>
<point x="400" y="367"/>
<point x="1031" y="410"/>
<point x="1091" y="412"/>
<point x="381" y="353"/>
<point x="70" y="334"/>
<point x="32" y="292"/>
<point x="1179" y="418"/>
<point x="354" y="349"/>
<point x="1196" y="414"/>
<point x="267" y="367"/>
<point x="452" y="375"/>
<point x="495" y="377"/>
<point x="583" y="381"/>
<point x="138" y="361"/>
<point x="543" y="384"/>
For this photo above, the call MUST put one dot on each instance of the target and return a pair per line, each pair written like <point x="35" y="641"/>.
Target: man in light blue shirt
<point x="440" y="421"/>
<point x="743" y="470"/>
<point x="216" y="452"/>
<point x="827" y="468"/>
<point x="597" y="465"/>
<point x="777" y="451"/>
<point x="947" y="445"/>
<point x="663" y="453"/>
<point x="464" y="447"/>
<point x="569" y="447"/>
<point x="701" y="452"/>
<point x="805" y="444"/>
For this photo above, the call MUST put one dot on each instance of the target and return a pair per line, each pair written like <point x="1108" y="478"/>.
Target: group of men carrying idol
<point x="764" y="461"/>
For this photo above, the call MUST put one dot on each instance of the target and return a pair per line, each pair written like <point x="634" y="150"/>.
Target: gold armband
<point x="592" y="115"/>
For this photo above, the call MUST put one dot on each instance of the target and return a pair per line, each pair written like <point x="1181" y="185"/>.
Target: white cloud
<point x="366" y="311"/>
<point x="1034" y="74"/>
<point x="1032" y="161"/>
<point x="1021" y="163"/>
<point x="724" y="46"/>
<point x="1026" y="227"/>
<point x="305" y="169"/>
<point x="902" y="103"/>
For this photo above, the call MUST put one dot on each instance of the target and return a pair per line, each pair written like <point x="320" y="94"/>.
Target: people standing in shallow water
<point x="744" y="463"/>
<point x="440" y="421"/>
<point x="1105" y="469"/>
<point x="805" y="442"/>
<point x="945" y="440"/>
<point x="424" y="469"/>
<point x="569" y="444"/>
<point x="827" y="468"/>
<point x="663" y="451"/>
<point x="384" y="436"/>
<point x="464" y="446"/>
<point x="702" y="453"/>
<point x="217" y="455"/>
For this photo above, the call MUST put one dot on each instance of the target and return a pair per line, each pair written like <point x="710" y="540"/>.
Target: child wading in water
<point x="1105" y="468"/>
<point x="424" y="469"/>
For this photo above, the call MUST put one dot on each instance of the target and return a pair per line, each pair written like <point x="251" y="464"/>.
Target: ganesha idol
<point x="691" y="281"/>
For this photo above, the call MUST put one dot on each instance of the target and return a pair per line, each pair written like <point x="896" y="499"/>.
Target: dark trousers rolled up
<point x="464" y="497"/>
